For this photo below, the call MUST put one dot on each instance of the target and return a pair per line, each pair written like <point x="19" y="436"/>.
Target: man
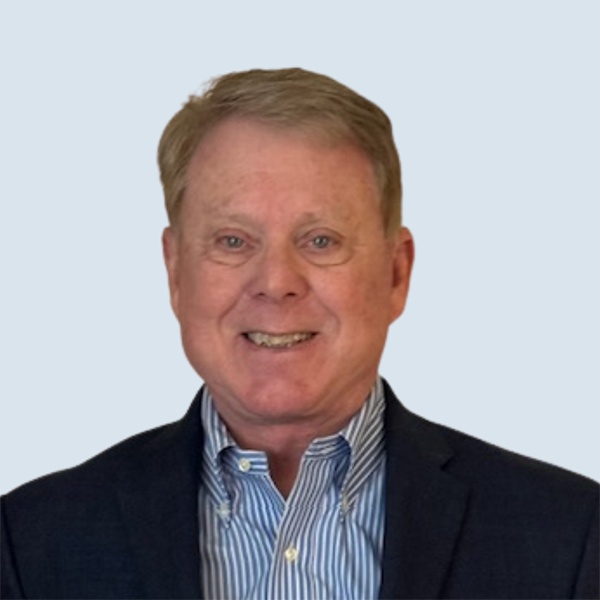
<point x="296" y="473"/>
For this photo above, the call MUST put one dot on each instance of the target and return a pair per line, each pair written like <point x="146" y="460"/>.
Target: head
<point x="291" y="99"/>
<point x="286" y="259"/>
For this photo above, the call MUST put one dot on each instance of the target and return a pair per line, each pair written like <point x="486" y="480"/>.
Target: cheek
<point x="207" y="292"/>
<point x="361" y="298"/>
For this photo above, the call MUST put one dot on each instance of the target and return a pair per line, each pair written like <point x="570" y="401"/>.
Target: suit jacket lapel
<point x="424" y="507"/>
<point x="159" y="500"/>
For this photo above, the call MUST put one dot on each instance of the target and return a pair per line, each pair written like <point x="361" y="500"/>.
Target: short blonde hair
<point x="292" y="98"/>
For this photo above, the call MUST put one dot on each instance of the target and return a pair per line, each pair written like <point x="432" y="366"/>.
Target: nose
<point x="279" y="275"/>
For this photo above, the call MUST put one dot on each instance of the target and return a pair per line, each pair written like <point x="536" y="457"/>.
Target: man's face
<point x="281" y="276"/>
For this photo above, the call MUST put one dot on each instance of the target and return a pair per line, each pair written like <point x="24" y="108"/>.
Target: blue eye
<point x="232" y="242"/>
<point x="230" y="248"/>
<point x="321" y="242"/>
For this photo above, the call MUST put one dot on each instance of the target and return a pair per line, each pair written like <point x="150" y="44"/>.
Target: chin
<point x="272" y="398"/>
<point x="277" y="393"/>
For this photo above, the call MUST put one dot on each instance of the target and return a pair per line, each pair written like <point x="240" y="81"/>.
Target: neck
<point x="284" y="470"/>
<point x="285" y="441"/>
<point x="284" y="447"/>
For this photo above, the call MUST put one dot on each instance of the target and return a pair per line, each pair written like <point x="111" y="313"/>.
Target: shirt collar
<point x="361" y="439"/>
<point x="216" y="434"/>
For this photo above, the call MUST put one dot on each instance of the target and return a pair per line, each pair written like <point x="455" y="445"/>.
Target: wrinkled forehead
<point x="251" y="167"/>
<point x="246" y="152"/>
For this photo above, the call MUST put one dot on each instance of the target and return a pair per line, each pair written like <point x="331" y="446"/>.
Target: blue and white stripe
<point x="324" y="542"/>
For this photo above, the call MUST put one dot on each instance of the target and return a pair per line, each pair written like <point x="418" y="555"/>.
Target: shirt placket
<point x="292" y="569"/>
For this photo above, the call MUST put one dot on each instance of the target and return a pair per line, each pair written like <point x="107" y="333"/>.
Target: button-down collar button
<point x="344" y="504"/>
<point x="244" y="465"/>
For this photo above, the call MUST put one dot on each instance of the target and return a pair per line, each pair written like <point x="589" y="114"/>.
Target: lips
<point x="284" y="340"/>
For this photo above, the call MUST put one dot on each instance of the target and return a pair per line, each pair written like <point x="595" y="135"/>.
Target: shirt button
<point x="224" y="510"/>
<point x="244" y="465"/>
<point x="290" y="554"/>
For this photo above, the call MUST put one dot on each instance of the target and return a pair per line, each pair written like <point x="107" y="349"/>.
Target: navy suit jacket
<point x="464" y="519"/>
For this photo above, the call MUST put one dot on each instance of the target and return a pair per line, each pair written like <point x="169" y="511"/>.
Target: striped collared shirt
<point x="325" y="541"/>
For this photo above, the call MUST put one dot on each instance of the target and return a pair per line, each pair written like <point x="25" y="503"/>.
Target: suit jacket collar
<point x="159" y="500"/>
<point x="158" y="493"/>
<point x="425" y="506"/>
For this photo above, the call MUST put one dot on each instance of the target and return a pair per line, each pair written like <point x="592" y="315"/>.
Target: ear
<point x="170" y="244"/>
<point x="403" y="259"/>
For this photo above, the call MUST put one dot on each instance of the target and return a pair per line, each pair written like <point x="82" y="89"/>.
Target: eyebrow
<point x="218" y="214"/>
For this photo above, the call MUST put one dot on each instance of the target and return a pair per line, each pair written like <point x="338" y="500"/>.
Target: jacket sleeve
<point x="10" y="584"/>
<point x="588" y="578"/>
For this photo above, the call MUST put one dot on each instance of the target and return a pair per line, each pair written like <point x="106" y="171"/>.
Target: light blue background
<point x="495" y="110"/>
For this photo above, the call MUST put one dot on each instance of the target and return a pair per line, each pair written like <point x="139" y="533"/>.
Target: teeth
<point x="278" y="341"/>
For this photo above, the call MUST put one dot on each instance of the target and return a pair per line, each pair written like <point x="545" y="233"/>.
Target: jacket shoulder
<point x="479" y="464"/>
<point x="151" y="452"/>
<point x="92" y="480"/>
<point x="501" y="471"/>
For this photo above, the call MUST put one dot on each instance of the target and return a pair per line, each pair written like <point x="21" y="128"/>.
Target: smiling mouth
<point x="286" y="340"/>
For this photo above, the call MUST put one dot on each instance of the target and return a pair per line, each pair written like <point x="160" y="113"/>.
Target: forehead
<point x="245" y="159"/>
